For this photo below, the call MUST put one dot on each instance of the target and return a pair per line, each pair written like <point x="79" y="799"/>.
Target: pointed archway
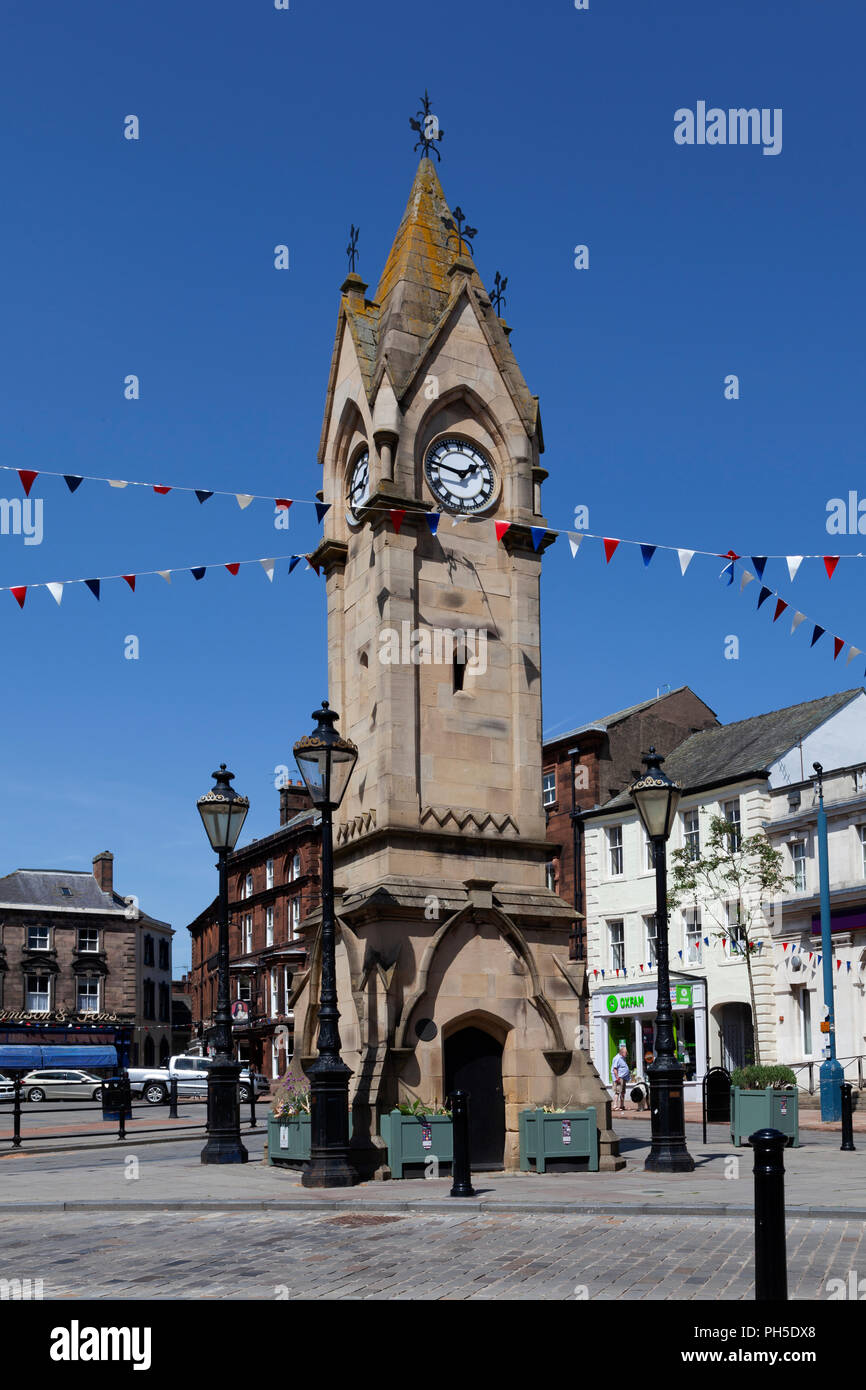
<point x="473" y="1063"/>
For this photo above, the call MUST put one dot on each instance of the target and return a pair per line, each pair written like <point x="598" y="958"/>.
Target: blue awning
<point x="84" y="1057"/>
<point x="19" y="1058"/>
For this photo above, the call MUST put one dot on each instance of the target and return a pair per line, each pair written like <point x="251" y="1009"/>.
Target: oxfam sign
<point x="627" y="1001"/>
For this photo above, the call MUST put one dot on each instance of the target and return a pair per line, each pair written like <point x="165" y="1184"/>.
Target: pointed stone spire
<point x="417" y="283"/>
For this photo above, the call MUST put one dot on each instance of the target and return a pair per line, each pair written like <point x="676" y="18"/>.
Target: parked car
<point x="7" y="1087"/>
<point x="61" y="1085"/>
<point x="192" y="1072"/>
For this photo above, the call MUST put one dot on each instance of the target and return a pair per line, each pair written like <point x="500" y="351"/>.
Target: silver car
<point x="60" y="1085"/>
<point x="7" y="1088"/>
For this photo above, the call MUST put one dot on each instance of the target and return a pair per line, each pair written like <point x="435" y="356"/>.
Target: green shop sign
<point x="628" y="1001"/>
<point x="683" y="996"/>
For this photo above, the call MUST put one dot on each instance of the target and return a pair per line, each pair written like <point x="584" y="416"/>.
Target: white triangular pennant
<point x="746" y="579"/>
<point x="244" y="499"/>
<point x="165" y="574"/>
<point x="853" y="651"/>
<point x="685" y="559"/>
<point x="794" y="563"/>
<point x="268" y="567"/>
<point x="574" y="540"/>
<point x="798" y="619"/>
<point x="56" y="592"/>
<point x="117" y="482"/>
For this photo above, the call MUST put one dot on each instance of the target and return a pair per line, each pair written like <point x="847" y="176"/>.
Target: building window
<point x="149" y="999"/>
<point x="88" y="994"/>
<point x="248" y="933"/>
<point x="164" y="959"/>
<point x="649" y="858"/>
<point x="860" y="780"/>
<point x="273" y="994"/>
<point x="148" y="950"/>
<point x="248" y="886"/>
<point x="296" y="866"/>
<point x="37" y="938"/>
<point x="550" y="875"/>
<point x="164" y="1003"/>
<point x="806" y="1019"/>
<point x="295" y="917"/>
<point x="548" y="788"/>
<point x="616" y="932"/>
<point x="735" y="940"/>
<point x="798" y="859"/>
<point x="614" y="851"/>
<point x="863" y="847"/>
<point x="245" y="988"/>
<point x="691" y="835"/>
<point x="88" y="938"/>
<point x="269" y="874"/>
<point x="652" y="939"/>
<point x="38" y="989"/>
<point x="731" y="813"/>
<point x="693" y="944"/>
<point x="269" y="926"/>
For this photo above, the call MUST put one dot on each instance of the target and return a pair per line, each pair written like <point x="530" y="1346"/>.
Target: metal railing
<point x="852" y="1067"/>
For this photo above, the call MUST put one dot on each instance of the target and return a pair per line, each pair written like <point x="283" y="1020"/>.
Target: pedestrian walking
<point x="620" y="1072"/>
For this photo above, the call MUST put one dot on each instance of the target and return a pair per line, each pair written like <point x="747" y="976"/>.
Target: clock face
<point x="359" y="487"/>
<point x="460" y="476"/>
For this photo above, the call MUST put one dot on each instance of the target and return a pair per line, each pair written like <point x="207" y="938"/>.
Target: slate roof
<point x="732" y="751"/>
<point x="607" y="720"/>
<point x="40" y="888"/>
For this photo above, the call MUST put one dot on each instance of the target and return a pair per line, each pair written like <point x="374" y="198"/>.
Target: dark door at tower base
<point x="473" y="1063"/>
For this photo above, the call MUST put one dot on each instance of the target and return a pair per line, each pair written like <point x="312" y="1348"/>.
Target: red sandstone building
<point x="274" y="884"/>
<point x="585" y="767"/>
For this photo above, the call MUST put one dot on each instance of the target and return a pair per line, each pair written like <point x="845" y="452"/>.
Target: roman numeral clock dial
<point x="460" y="476"/>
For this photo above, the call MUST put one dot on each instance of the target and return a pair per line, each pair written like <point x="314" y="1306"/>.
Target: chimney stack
<point x="103" y="870"/>
<point x="294" y="797"/>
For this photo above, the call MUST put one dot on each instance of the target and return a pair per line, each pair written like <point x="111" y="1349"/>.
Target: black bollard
<point x="847" y="1118"/>
<point x="252" y="1104"/>
<point x="771" y="1273"/>
<point x="461" y="1170"/>
<point x="172" y="1098"/>
<point x="16" y="1113"/>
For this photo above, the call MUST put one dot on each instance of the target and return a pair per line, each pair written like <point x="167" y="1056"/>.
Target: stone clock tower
<point x="453" y="955"/>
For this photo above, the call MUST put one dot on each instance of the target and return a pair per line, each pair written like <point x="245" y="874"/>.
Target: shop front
<point x="625" y="1013"/>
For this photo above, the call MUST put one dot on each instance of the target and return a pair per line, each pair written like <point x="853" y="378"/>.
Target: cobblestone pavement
<point x="284" y="1255"/>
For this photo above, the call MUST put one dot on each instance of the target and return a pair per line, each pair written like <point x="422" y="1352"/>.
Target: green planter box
<point x="416" y="1139"/>
<point x="288" y="1141"/>
<point x="570" y="1134"/>
<point x="765" y="1109"/>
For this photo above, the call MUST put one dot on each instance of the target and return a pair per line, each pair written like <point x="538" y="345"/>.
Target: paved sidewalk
<point x="820" y="1181"/>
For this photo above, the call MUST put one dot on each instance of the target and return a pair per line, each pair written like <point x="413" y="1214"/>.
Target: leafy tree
<point x="730" y="869"/>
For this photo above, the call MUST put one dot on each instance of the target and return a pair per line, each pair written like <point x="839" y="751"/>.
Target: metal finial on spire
<point x="427" y="129"/>
<point x="497" y="294"/>
<point x="352" y="248"/>
<point x="463" y="234"/>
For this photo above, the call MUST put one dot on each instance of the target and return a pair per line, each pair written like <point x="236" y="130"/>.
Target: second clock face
<point x="460" y="475"/>
<point x="358" y="489"/>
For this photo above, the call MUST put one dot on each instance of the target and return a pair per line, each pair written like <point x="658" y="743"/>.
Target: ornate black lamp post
<point x="223" y="812"/>
<point x="326" y="761"/>
<point x="656" y="798"/>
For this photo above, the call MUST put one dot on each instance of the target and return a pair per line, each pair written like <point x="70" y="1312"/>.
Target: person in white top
<point x="619" y="1075"/>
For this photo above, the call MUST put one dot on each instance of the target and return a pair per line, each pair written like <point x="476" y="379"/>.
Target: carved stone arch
<point x="350" y="424"/>
<point x="475" y="404"/>
<point x="311" y="980"/>
<point x="510" y="933"/>
<point x="497" y="1027"/>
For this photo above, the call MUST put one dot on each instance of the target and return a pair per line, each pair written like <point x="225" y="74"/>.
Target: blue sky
<point x="155" y="257"/>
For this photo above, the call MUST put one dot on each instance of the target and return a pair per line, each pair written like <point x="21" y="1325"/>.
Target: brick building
<point x="587" y="766"/>
<point x="274" y="884"/>
<point x="72" y="950"/>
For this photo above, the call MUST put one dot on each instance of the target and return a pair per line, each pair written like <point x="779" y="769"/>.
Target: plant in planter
<point x="764" y="1098"/>
<point x="420" y="1107"/>
<point x="759" y="1078"/>
<point x="291" y="1098"/>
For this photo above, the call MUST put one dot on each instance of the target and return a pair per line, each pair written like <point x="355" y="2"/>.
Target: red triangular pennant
<point x="609" y="548"/>
<point x="830" y="563"/>
<point x="397" y="516"/>
<point x="233" y="569"/>
<point x="162" y="490"/>
<point x="284" y="502"/>
<point x="781" y="605"/>
<point x="312" y="564"/>
<point x="20" y="594"/>
<point x="501" y="528"/>
<point x="28" y="478"/>
<point x="838" y="644"/>
<point x="130" y="579"/>
<point x="784" y="945"/>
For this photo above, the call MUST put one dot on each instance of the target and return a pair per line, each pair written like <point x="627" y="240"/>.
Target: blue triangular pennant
<point x="93" y="586"/>
<point x="816" y="633"/>
<point x="199" y="572"/>
<point x="538" y="534"/>
<point x="295" y="560"/>
<point x="72" y="481"/>
<point x="202" y="495"/>
<point x="647" y="551"/>
<point x="759" y="561"/>
<point x="321" y="509"/>
<point x="764" y="594"/>
<point x="433" y="519"/>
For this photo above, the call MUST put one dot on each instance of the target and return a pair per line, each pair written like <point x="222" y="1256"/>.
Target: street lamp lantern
<point x="326" y="760"/>
<point x="656" y="798"/>
<point x="223" y="812"/>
